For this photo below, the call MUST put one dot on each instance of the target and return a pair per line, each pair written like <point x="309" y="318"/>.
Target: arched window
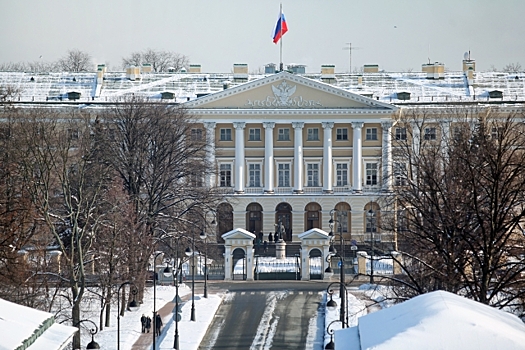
<point x="283" y="213"/>
<point x="313" y="214"/>
<point x="224" y="220"/>
<point x="254" y="218"/>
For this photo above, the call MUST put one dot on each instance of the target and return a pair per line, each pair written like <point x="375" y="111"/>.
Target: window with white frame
<point x="401" y="134"/>
<point x="226" y="134"/>
<point x="196" y="134"/>
<point x="342" y="174"/>
<point x="283" y="170"/>
<point x="430" y="134"/>
<point x="312" y="172"/>
<point x="283" y="134"/>
<point x="313" y="134"/>
<point x="371" y="174"/>
<point x="371" y="134"/>
<point x="400" y="174"/>
<point x="225" y="175"/>
<point x="341" y="134"/>
<point x="254" y="171"/>
<point x="255" y="134"/>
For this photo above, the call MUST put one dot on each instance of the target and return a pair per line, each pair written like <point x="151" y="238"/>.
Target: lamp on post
<point x="190" y="252"/>
<point x="370" y="215"/>
<point x="330" y="345"/>
<point x="203" y="237"/>
<point x="331" y="304"/>
<point x="154" y="320"/>
<point x="132" y="306"/>
<point x="341" y="257"/>
<point x="93" y="344"/>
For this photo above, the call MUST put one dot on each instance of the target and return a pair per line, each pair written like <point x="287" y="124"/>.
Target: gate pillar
<point x="238" y="238"/>
<point x="310" y="240"/>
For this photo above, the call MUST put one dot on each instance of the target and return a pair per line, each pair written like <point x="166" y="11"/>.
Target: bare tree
<point x="512" y="68"/>
<point x="459" y="203"/>
<point x="161" y="61"/>
<point x="76" y="61"/>
<point x="64" y="183"/>
<point x="162" y="163"/>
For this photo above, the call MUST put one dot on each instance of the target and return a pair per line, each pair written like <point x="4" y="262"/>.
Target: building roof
<point x="437" y="320"/>
<point x="387" y="87"/>
<point x="26" y="328"/>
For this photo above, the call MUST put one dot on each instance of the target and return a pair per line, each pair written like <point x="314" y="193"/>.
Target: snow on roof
<point x="437" y="320"/>
<point x="24" y="326"/>
<point x="383" y="86"/>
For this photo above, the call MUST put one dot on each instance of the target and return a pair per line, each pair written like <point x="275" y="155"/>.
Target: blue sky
<point x="396" y="35"/>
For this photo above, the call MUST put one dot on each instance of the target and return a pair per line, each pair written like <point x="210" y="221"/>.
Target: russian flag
<point x="280" y="28"/>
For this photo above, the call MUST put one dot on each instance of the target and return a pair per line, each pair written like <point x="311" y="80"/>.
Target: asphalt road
<point x="264" y="315"/>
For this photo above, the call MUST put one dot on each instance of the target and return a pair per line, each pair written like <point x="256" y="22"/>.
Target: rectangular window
<point x="284" y="175"/>
<point x="342" y="174"/>
<point x="430" y="133"/>
<point x="341" y="134"/>
<point x="401" y="134"/>
<point x="400" y="174"/>
<point x="255" y="135"/>
<point x="196" y="134"/>
<point x="313" y="174"/>
<point x="226" y="175"/>
<point x="196" y="180"/>
<point x="313" y="134"/>
<point x="371" y="134"/>
<point x="74" y="134"/>
<point x="284" y="134"/>
<point x="371" y="174"/>
<point x="255" y="175"/>
<point x="226" y="134"/>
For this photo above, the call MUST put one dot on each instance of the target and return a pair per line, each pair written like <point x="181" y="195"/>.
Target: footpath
<point x="145" y="341"/>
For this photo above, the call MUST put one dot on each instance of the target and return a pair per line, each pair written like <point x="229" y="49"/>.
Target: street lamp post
<point x="331" y="304"/>
<point x="341" y="257"/>
<point x="203" y="237"/>
<point x="132" y="306"/>
<point x="154" y="320"/>
<point x="330" y="345"/>
<point x="93" y="344"/>
<point x="371" y="216"/>
<point x="190" y="252"/>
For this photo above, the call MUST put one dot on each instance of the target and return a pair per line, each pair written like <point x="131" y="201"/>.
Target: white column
<point x="327" y="157"/>
<point x="228" y="264"/>
<point x="210" y="153"/>
<point x="357" y="155"/>
<point x="239" y="156"/>
<point x="298" y="156"/>
<point x="387" y="155"/>
<point x="268" y="156"/>
<point x="416" y="137"/>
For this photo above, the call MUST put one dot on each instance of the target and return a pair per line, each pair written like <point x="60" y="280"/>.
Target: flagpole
<point x="281" y="29"/>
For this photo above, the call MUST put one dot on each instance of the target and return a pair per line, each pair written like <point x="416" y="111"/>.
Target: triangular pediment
<point x="238" y="233"/>
<point x="314" y="233"/>
<point x="287" y="91"/>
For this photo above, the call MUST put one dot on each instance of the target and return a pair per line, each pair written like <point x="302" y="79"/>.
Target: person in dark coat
<point x="158" y="324"/>
<point x="143" y="322"/>
<point x="148" y="324"/>
<point x="270" y="237"/>
<point x="265" y="246"/>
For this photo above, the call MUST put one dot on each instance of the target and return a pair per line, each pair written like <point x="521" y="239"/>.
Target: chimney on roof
<point x="270" y="68"/>
<point x="195" y="68"/>
<point x="133" y="73"/>
<point x="328" y="73"/>
<point x="434" y="70"/>
<point x="371" y="68"/>
<point x="240" y="72"/>
<point x="147" y="68"/>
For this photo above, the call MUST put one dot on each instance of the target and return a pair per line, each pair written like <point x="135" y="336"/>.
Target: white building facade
<point x="289" y="149"/>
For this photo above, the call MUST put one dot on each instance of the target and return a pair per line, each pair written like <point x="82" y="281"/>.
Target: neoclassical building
<point x="290" y="149"/>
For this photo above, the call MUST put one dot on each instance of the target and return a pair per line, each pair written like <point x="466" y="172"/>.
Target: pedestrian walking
<point x="270" y="237"/>
<point x="265" y="247"/>
<point x="158" y="324"/>
<point x="143" y="322"/>
<point x="148" y="324"/>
